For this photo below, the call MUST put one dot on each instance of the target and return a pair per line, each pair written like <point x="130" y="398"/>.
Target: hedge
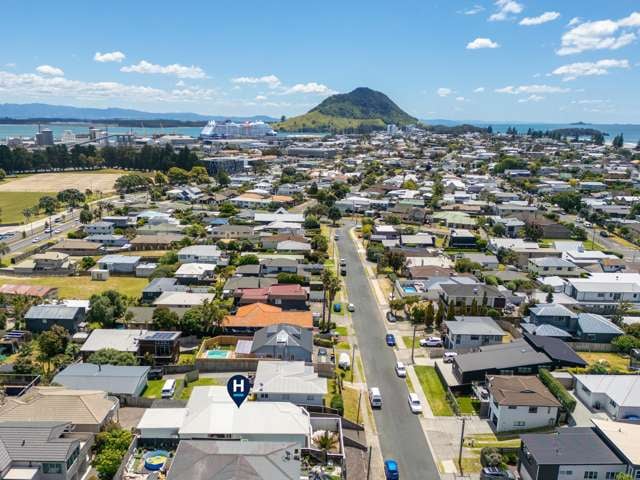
<point x="558" y="390"/>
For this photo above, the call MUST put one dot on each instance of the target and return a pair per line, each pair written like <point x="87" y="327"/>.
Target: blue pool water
<point x="409" y="289"/>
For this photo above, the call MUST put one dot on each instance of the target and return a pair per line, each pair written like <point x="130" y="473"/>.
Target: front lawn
<point x="409" y="340"/>
<point x="433" y="390"/>
<point x="201" y="382"/>
<point x="468" y="405"/>
<point x="154" y="389"/>
<point x="615" y="360"/>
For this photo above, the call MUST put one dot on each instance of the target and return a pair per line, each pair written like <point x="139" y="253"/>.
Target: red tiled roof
<point x="27" y="290"/>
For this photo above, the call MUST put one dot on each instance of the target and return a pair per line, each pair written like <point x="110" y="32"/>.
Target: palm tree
<point x="27" y="213"/>
<point x="212" y="314"/>
<point x="325" y="440"/>
<point x="331" y="285"/>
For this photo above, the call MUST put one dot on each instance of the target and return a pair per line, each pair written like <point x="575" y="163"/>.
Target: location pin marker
<point x="238" y="387"/>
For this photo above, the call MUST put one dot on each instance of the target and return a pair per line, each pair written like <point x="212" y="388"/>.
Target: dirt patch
<point x="56" y="182"/>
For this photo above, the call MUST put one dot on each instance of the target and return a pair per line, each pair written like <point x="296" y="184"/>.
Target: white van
<point x="344" y="361"/>
<point x="375" y="397"/>
<point x="169" y="388"/>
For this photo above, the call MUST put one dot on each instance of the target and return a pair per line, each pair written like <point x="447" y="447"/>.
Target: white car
<point x="401" y="370"/>
<point x="588" y="224"/>
<point x="431" y="342"/>
<point x="448" y="357"/>
<point x="414" y="403"/>
<point x="351" y="307"/>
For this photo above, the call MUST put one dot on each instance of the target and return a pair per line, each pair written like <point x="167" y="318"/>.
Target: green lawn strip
<point x="154" y="389"/>
<point x="433" y="390"/>
<point x="343" y="346"/>
<point x="342" y="331"/>
<point x="410" y="384"/>
<point x="408" y="340"/>
<point x="83" y="287"/>
<point x="468" y="405"/>
<point x="201" y="382"/>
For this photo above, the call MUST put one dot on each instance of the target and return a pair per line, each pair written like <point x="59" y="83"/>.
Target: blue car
<point x="391" y="470"/>
<point x="391" y="340"/>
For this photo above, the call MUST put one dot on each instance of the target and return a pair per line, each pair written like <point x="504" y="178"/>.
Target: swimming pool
<point x="217" y="354"/>
<point x="409" y="289"/>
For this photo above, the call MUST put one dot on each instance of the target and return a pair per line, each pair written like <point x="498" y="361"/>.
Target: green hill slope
<point x="361" y="110"/>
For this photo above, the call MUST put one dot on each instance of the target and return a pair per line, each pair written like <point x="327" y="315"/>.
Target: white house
<point x="520" y="403"/>
<point x="545" y="266"/>
<point x="202" y="254"/>
<point x="617" y="395"/>
<point x="471" y="332"/>
<point x="292" y="382"/>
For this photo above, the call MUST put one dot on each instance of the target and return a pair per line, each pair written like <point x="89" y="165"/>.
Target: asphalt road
<point x="401" y="436"/>
<point x="26" y="242"/>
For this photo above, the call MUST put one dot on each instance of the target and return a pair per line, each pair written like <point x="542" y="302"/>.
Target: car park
<point x="390" y="339"/>
<point x="401" y="370"/>
<point x="431" y="341"/>
<point x="415" y="405"/>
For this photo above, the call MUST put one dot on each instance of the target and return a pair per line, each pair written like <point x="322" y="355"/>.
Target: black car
<point x="343" y="272"/>
<point x="155" y="374"/>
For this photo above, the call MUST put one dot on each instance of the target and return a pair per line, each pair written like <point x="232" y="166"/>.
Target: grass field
<point x="409" y="340"/>
<point x="350" y="399"/>
<point x="468" y="405"/>
<point x="433" y="390"/>
<point x="83" y="287"/>
<point x="614" y="359"/>
<point x="154" y="389"/>
<point x="13" y="203"/>
<point x="591" y="245"/>
<point x="58" y="181"/>
<point x="342" y="331"/>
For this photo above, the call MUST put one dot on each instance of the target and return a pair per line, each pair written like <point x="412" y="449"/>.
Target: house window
<point x="512" y="407"/>
<point x="590" y="475"/>
<point x="475" y="337"/>
<point x="533" y="409"/>
<point x="524" y="370"/>
<point x="600" y="295"/>
<point x="310" y="397"/>
<point x="264" y="395"/>
<point x="612" y="403"/>
<point x="610" y="475"/>
<point x="52" y="468"/>
<point x="519" y="424"/>
<point x="565" y="472"/>
<point x="277" y="301"/>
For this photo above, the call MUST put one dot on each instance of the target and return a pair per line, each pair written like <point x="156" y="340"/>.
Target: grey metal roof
<point x="283" y="333"/>
<point x="110" y="378"/>
<point x="551" y="262"/>
<point x="569" y="446"/>
<point x="501" y="356"/>
<point x="545" y="330"/>
<point x="463" y="325"/>
<point x="52" y="312"/>
<point x="592" y="323"/>
<point x="551" y="310"/>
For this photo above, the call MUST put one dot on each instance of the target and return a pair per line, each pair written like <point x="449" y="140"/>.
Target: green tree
<point x="111" y="356"/>
<point x="331" y="285"/>
<point x="249" y="259"/>
<point x="165" y="319"/>
<point x="311" y="222"/>
<point x="178" y="176"/>
<point x="451" y="310"/>
<point x="106" y="308"/>
<point x="87" y="262"/>
<point x="430" y="314"/>
<point x="85" y="215"/>
<point x="334" y="215"/>
<point x="320" y="242"/>
<point x="291" y="278"/>
<point x="223" y="178"/>
<point x="533" y="230"/>
<point x="199" y="175"/>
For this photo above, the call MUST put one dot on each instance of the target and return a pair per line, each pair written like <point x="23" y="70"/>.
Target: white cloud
<point x="589" y="102"/>
<point x="180" y="71"/>
<point x="260" y="98"/>
<point x="531" y="89"/>
<point x="473" y="10"/>
<point x="506" y="8"/>
<point x="482" y="43"/>
<point x="10" y="65"/>
<point x="49" y="70"/>
<point x="180" y="83"/>
<point x="444" y="92"/>
<point x="586" y="69"/>
<point x="310" y="87"/>
<point x="116" y="56"/>
<point x="270" y="80"/>
<point x="28" y="85"/>
<point x="531" y="98"/>
<point x="479" y="90"/>
<point x="540" y="19"/>
<point x="461" y="99"/>
<point x="600" y="35"/>
<point x="574" y="21"/>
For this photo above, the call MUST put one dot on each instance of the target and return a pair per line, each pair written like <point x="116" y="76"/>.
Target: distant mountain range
<point x="358" y="111"/>
<point x="53" y="112"/>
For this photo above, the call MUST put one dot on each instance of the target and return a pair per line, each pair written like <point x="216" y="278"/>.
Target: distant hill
<point x="54" y="112"/>
<point x="359" y="111"/>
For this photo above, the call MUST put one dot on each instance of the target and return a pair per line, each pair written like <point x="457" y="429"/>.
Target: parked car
<point x="390" y="339"/>
<point x="322" y="352"/>
<point x="494" y="473"/>
<point x="344" y="362"/>
<point x="154" y="374"/>
<point x="448" y="357"/>
<point x="351" y="307"/>
<point x="588" y="224"/>
<point x="391" y="317"/>
<point x="375" y="397"/>
<point x="401" y="370"/>
<point x="336" y="236"/>
<point x="343" y="271"/>
<point x="343" y="262"/>
<point x="414" y="403"/>
<point x="431" y="341"/>
<point x="337" y="307"/>
<point x="391" y="470"/>
<point x="604" y="233"/>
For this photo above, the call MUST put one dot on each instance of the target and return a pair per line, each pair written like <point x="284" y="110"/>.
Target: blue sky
<point x="511" y="60"/>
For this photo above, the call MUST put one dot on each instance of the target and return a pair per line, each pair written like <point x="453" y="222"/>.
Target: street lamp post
<point x="413" y="343"/>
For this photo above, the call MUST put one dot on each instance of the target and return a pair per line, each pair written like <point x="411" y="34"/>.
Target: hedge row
<point x="558" y="390"/>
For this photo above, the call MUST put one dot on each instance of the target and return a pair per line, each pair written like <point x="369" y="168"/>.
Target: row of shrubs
<point x="558" y="390"/>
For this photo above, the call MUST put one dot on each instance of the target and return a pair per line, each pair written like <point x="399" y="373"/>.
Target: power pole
<point x="464" y="420"/>
<point x="369" y="464"/>
<point x="413" y="343"/>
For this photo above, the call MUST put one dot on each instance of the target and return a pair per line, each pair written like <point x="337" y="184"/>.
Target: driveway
<point x="401" y="435"/>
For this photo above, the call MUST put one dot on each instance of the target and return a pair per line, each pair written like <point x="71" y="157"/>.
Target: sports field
<point x="13" y="203"/>
<point x="56" y="182"/>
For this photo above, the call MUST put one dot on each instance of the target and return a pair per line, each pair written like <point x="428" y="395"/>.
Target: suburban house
<point x="465" y="294"/>
<point x="461" y="238"/>
<point x="617" y="395"/>
<point x="113" y="379"/>
<point x="158" y="241"/>
<point x="251" y="318"/>
<point x="42" y="317"/>
<point x="547" y="266"/>
<point x="273" y="266"/>
<point x="43" y="449"/>
<point x="271" y="242"/>
<point x="202" y="254"/>
<point x="603" y="292"/>
<point x="182" y="299"/>
<point x="125" y="264"/>
<point x="287" y="296"/>
<point x="575" y="453"/>
<point x="163" y="346"/>
<point x="86" y="410"/>
<point x="622" y="438"/>
<point x="288" y="381"/>
<point x="189" y="273"/>
<point x="108" y="240"/>
<point x="32" y="291"/>
<point x="232" y="232"/>
<point x="485" y="261"/>
<point x="521" y="357"/>
<point x="471" y="332"/>
<point x="284" y="342"/>
<point x="423" y="240"/>
<point x="99" y="228"/>
<point x="78" y="248"/>
<point x="208" y="459"/>
<point x="46" y="263"/>
<point x="520" y="403"/>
